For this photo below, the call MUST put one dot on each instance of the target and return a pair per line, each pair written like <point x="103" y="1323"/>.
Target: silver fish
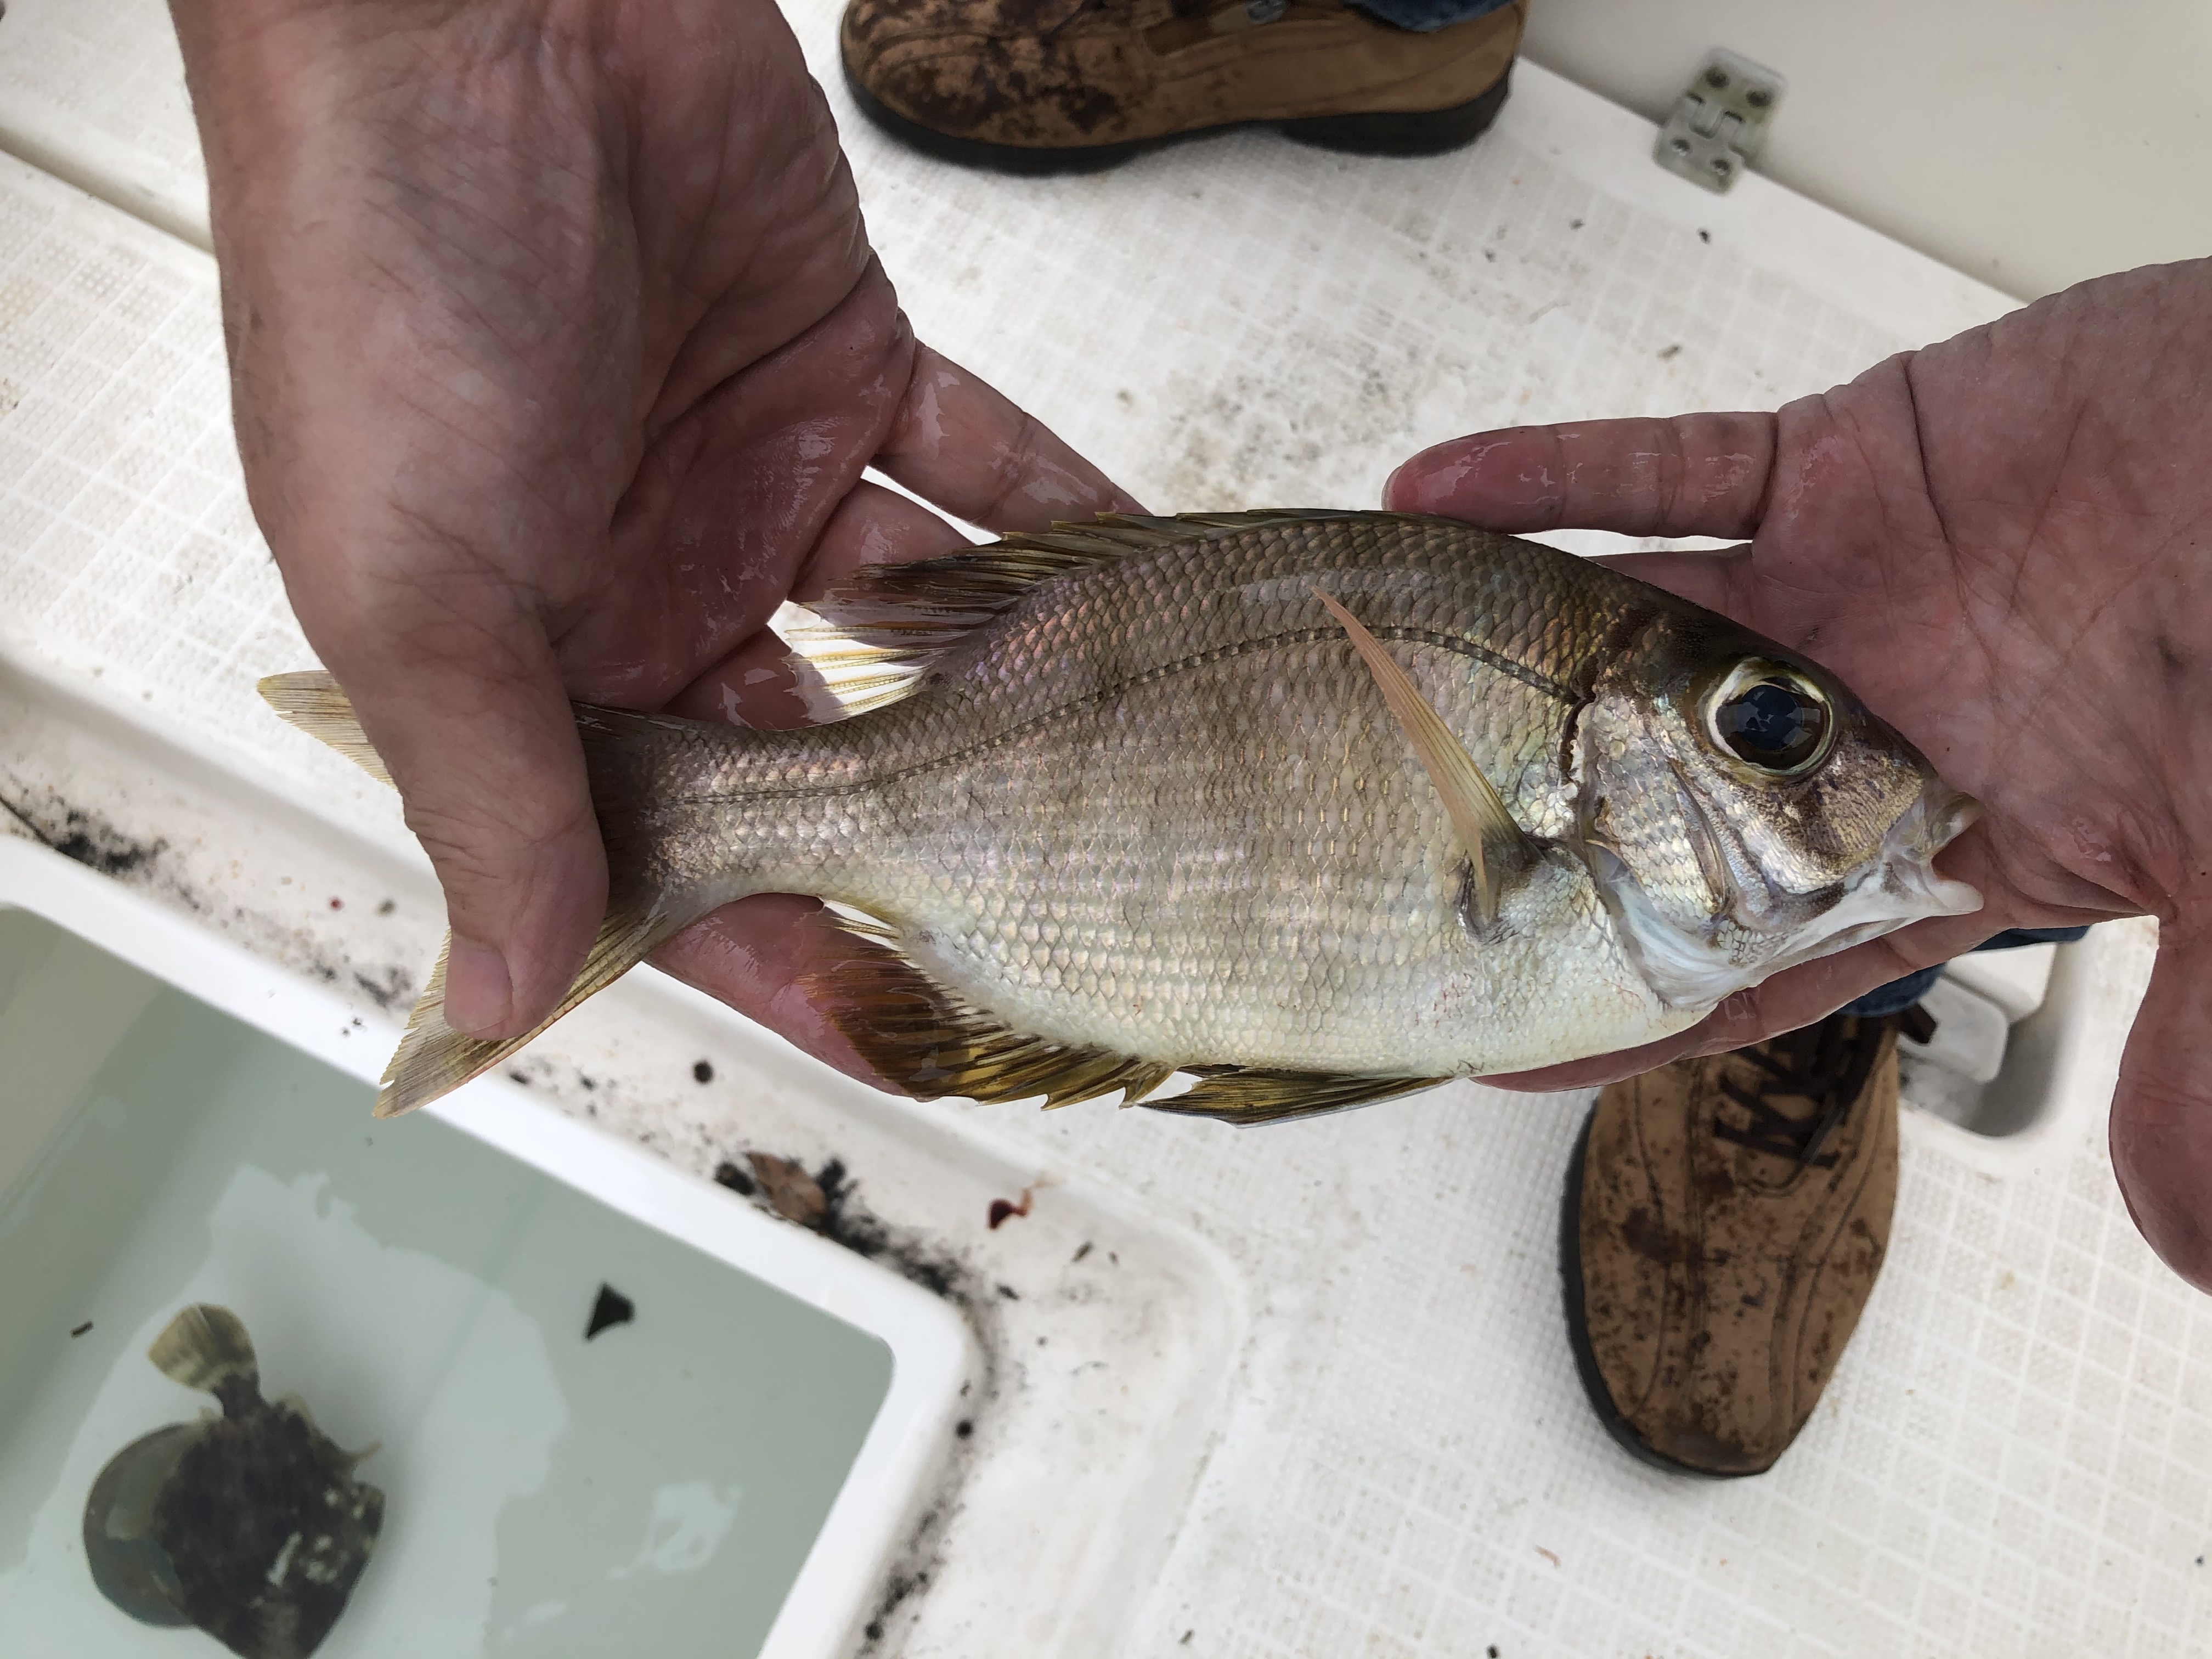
<point x="250" y="1525"/>
<point x="1321" y="807"/>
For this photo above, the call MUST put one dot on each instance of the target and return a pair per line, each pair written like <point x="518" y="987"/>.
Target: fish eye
<point x="1771" y="717"/>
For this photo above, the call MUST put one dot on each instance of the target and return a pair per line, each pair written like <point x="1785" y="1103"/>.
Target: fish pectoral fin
<point x="433" y="1059"/>
<point x="1496" y="845"/>
<point x="313" y="702"/>
<point x="203" y="1347"/>
<point x="1245" y="1094"/>
<point x="925" y="1039"/>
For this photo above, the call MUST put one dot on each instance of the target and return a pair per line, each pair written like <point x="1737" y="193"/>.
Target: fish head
<point x="1742" y="812"/>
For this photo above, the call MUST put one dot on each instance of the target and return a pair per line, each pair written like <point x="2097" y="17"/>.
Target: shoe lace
<point x="1826" y="1065"/>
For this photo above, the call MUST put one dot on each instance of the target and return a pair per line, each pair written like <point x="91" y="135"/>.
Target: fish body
<point x="250" y="1524"/>
<point x="1137" y="799"/>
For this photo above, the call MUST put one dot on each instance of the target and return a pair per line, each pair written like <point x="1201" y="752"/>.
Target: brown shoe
<point x="1725" y="1218"/>
<point x="1048" y="86"/>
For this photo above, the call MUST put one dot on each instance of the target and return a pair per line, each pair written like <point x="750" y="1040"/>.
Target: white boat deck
<point x="1308" y="1392"/>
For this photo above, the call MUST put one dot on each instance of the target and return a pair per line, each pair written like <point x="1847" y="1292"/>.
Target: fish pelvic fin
<point x="1495" y="844"/>
<point x="314" y="702"/>
<point x="1246" y="1094"/>
<point x="867" y="642"/>
<point x="205" y="1347"/>
<point x="931" y="1042"/>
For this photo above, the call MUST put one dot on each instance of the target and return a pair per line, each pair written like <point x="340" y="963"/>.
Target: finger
<point x="2161" y="1125"/>
<point x="754" y="684"/>
<point x="752" y="955"/>
<point x="469" y="713"/>
<point x="1694" y="475"/>
<point x="960" y="443"/>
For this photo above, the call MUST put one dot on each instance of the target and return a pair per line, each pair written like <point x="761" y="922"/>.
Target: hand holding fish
<point x="558" y="349"/>
<point x="2002" y="542"/>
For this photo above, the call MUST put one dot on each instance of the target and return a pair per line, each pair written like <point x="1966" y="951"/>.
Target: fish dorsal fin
<point x="1497" y="845"/>
<point x="1248" y="1094"/>
<point x="204" y="1347"/>
<point x="924" y="1039"/>
<point x="313" y="701"/>
<point x="867" y="641"/>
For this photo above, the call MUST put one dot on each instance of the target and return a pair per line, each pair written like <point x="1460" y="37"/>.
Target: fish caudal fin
<point x="204" y="1347"/>
<point x="432" y="1058"/>
<point x="1496" y="845"/>
<point x="313" y="702"/>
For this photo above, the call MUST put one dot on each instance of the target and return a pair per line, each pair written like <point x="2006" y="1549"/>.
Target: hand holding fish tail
<point x="2001" y="543"/>
<point x="558" y="350"/>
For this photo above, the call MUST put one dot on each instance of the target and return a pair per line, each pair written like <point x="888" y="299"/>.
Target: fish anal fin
<point x="1496" y="845"/>
<point x="433" y="1059"/>
<point x="204" y="1347"/>
<point x="1244" y="1094"/>
<point x="925" y="1039"/>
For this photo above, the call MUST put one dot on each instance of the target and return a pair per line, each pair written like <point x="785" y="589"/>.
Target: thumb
<point x="2161" y="1127"/>
<point x="473" y="724"/>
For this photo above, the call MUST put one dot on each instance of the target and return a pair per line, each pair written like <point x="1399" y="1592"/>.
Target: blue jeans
<point x="1899" y="994"/>
<point x="1424" y="16"/>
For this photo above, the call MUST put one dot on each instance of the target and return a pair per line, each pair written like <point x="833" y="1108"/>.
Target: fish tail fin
<point x="315" y="702"/>
<point x="205" y="1347"/>
<point x="433" y="1059"/>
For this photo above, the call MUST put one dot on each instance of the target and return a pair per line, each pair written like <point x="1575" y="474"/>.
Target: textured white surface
<point x="2016" y="1454"/>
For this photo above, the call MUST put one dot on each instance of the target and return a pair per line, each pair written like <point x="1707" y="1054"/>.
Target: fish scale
<point x="1137" y="798"/>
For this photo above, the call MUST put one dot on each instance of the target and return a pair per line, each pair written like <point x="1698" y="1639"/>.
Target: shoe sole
<point x="1414" y="132"/>
<point x="1594" y="1385"/>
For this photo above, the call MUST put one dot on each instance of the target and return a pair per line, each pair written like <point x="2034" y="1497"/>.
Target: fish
<point x="250" y="1524"/>
<point x="1313" y="807"/>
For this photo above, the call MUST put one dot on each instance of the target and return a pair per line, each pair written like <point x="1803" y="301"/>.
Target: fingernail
<point x="479" y="992"/>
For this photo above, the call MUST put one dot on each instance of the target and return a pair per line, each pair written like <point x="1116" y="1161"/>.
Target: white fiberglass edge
<point x="931" y="1351"/>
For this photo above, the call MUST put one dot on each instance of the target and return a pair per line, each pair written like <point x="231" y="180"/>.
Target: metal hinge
<point x="1719" y="121"/>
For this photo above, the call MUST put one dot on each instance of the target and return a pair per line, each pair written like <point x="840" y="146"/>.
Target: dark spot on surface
<point x="1001" y="1208"/>
<point x="337" y="904"/>
<point x="1081" y="1250"/>
<point x="1704" y="236"/>
<point x="735" y="1179"/>
<point x="386" y="908"/>
<point x="86" y="1326"/>
<point x="1574" y="224"/>
<point x="1010" y="1293"/>
<point x="703" y="1072"/>
<point x="392" y="991"/>
<point x="90" y="840"/>
<point x="587" y="1079"/>
<point x="1643" y="1234"/>
<point x="2173" y="662"/>
<point x="1670" y="353"/>
<point x="965" y="1427"/>
<point x="517" y="1077"/>
<point x="612" y="1308"/>
<point x="1492" y="1650"/>
<point x="1185" y="1641"/>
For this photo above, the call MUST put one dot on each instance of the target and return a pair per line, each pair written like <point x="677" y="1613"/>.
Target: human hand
<point x="557" y="351"/>
<point x="2004" y="545"/>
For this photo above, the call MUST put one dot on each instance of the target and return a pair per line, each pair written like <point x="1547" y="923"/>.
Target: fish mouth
<point x="1895" y="888"/>
<point x="1898" y="887"/>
